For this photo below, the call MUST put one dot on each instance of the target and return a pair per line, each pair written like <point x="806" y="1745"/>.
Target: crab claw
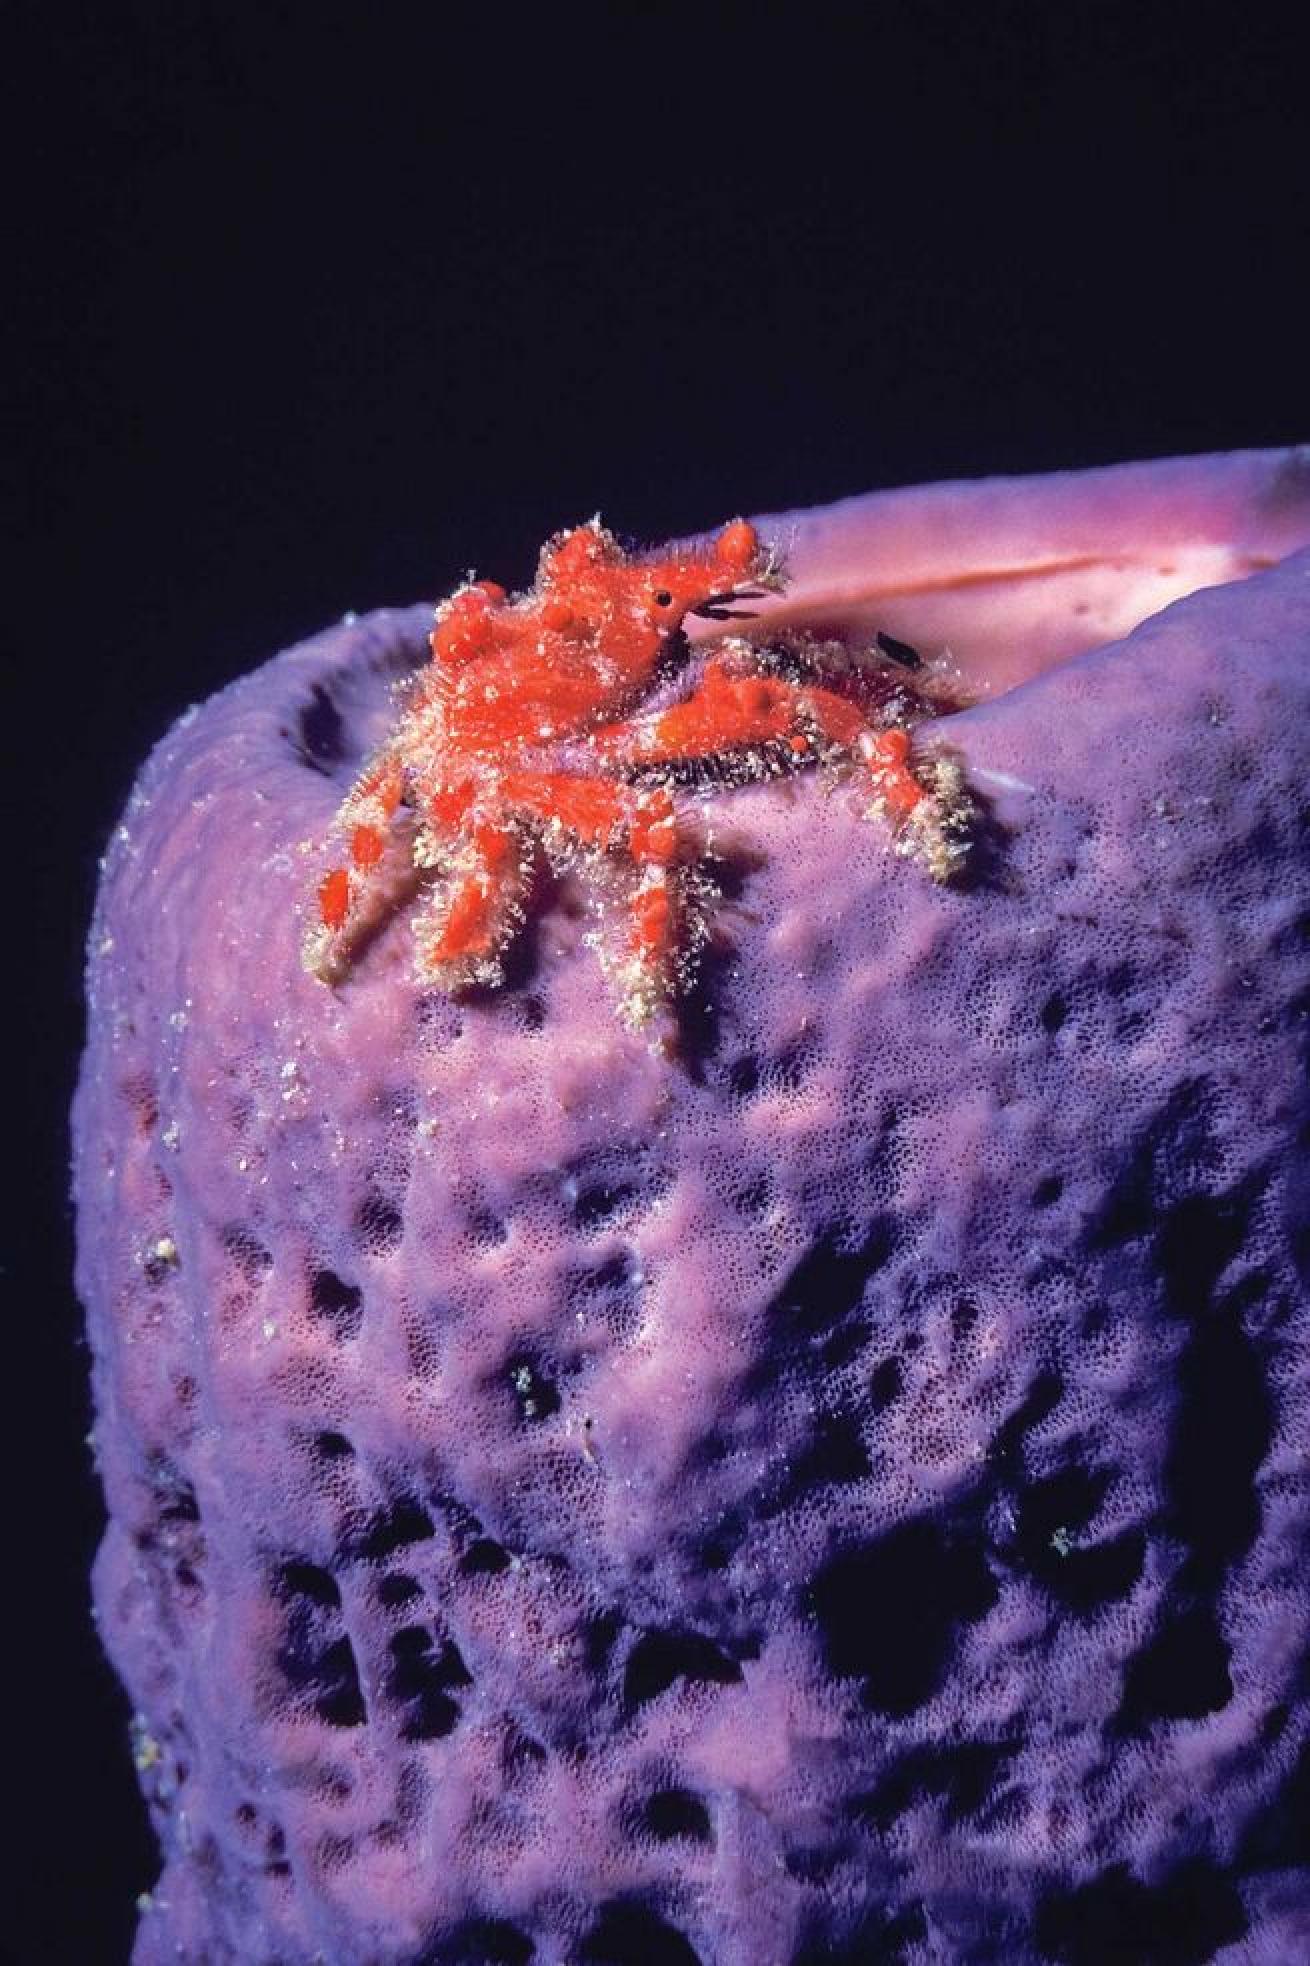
<point x="739" y="551"/>
<point x="717" y="607"/>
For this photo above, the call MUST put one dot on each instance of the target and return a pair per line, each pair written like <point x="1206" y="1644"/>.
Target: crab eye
<point x="663" y="598"/>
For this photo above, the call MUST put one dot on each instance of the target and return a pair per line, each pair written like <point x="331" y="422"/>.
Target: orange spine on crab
<point x="384" y="782"/>
<point x="464" y="627"/>
<point x="653" y="834"/>
<point x="366" y="846"/>
<point x="887" y="755"/>
<point x="334" y="897"/>
<point x="652" y="923"/>
<point x="737" y="545"/>
<point x="473" y="922"/>
<point x="464" y="931"/>
<point x="497" y="849"/>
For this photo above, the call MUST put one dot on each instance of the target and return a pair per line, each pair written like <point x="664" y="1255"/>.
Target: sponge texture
<point x="833" y="1492"/>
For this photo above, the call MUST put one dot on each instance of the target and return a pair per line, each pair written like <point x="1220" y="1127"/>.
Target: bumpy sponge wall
<point x="840" y="1494"/>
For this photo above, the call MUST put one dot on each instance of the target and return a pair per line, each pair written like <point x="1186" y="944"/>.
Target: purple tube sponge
<point x="834" y="1493"/>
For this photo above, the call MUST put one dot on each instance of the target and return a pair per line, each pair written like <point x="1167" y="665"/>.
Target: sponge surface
<point x="838" y="1492"/>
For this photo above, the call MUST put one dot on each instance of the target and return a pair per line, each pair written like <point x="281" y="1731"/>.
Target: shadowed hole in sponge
<point x="396" y="1589"/>
<point x="676" y="1812"/>
<point x="788" y="1071"/>
<point x="1086" y="1580"/>
<point x="886" y="1384"/>
<point x="1052" y="1516"/>
<point x="1275" y="1840"/>
<point x="521" y="1756"/>
<point x="611" y="1290"/>
<point x="937" y="1584"/>
<point x="337" y="722"/>
<point x="1066" y="1500"/>
<point x="1037" y="1406"/>
<point x="422" y="1679"/>
<point x="1181" y="1674"/>
<point x="339" y="1303"/>
<point x="487" y="1229"/>
<point x="379" y="1225"/>
<point x="480" y="1941"/>
<point x="334" y="1852"/>
<point x="307" y="1580"/>
<point x="341" y="1701"/>
<point x="831" y="1452"/>
<point x="960" y="1779"/>
<point x="1197" y="1240"/>
<point x="332" y="1446"/>
<point x="1182" y="1920"/>
<point x="175" y="1498"/>
<point x="484" y="1558"/>
<point x="600" y="1201"/>
<point x="876" y="1938"/>
<point x="1222" y="1431"/>
<point x="536" y="1395"/>
<point x="755" y="1197"/>
<point x="836" y="1453"/>
<point x="603" y="1200"/>
<point x="628" y="1933"/>
<point x="438" y="1021"/>
<point x="744" y="1076"/>
<point x="314" y="1662"/>
<point x="1006" y="1811"/>
<point x="248" y="1253"/>
<point x="1054" y="1014"/>
<point x="319" y="735"/>
<point x="608" y="1184"/>
<point x="401" y="1523"/>
<point x="531" y="1012"/>
<point x="785" y="1072"/>
<point x="829" y="1280"/>
<point x="1176" y="1158"/>
<point x="660" y="1657"/>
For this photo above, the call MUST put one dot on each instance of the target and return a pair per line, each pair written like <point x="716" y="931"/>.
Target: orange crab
<point x="521" y="730"/>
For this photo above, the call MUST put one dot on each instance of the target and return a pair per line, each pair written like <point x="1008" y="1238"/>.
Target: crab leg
<point x="464" y="927"/>
<point x="730" y="710"/>
<point x="365" y="821"/>
<point x="600" y="813"/>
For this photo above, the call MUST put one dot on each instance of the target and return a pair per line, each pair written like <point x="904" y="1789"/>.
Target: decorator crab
<point x="526" y="731"/>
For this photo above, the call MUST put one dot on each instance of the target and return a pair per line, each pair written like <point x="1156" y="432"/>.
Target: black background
<point x="315" y="316"/>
